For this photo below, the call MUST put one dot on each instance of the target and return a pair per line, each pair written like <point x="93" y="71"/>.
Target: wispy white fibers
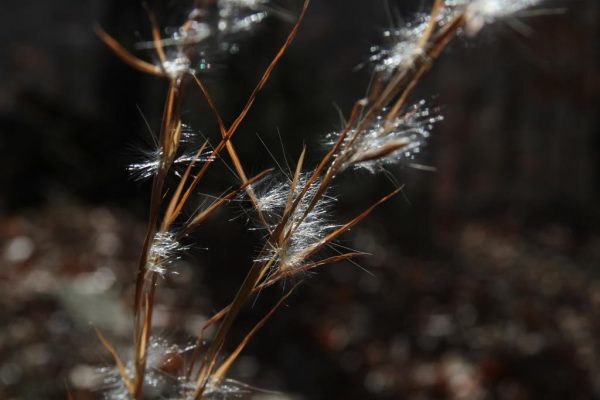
<point x="401" y="47"/>
<point x="216" y="389"/>
<point x="478" y="13"/>
<point x="148" y="167"/>
<point x="164" y="251"/>
<point x="383" y="143"/>
<point x="192" y="47"/>
<point x="301" y="233"/>
<point x="160" y="352"/>
<point x="240" y="15"/>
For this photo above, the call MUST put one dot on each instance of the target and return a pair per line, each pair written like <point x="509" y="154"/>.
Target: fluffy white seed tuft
<point x="402" y="49"/>
<point x="148" y="167"/>
<point x="164" y="251"/>
<point x="385" y="143"/>
<point x="215" y="389"/>
<point x="402" y="46"/>
<point x="301" y="233"/>
<point x="237" y="16"/>
<point x="479" y="13"/>
<point x="160" y="353"/>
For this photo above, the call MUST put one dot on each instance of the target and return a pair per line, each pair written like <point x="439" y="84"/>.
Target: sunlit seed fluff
<point x="478" y="13"/>
<point x="192" y="34"/>
<point x="112" y="386"/>
<point x="302" y="234"/>
<point x="237" y="16"/>
<point x="386" y="143"/>
<point x="402" y="46"/>
<point x="240" y="5"/>
<point x="149" y="167"/>
<point x="164" y="251"/>
<point x="215" y="389"/>
<point x="180" y="46"/>
<point x="177" y="65"/>
<point x="160" y="351"/>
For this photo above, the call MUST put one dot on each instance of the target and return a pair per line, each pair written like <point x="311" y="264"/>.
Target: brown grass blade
<point x="222" y="370"/>
<point x="437" y="47"/>
<point x="295" y="179"/>
<point x="290" y="38"/>
<point x="126" y="56"/>
<point x="230" y="149"/>
<point x="435" y="12"/>
<point x="155" y="34"/>
<point x="254" y="276"/>
<point x="383" y="151"/>
<point x="142" y="342"/>
<point x="275" y="279"/>
<point x="156" y="194"/>
<point x="120" y="366"/>
<point x="211" y="105"/>
<point x="202" y="216"/>
<point x="346" y="227"/>
<point x="305" y="268"/>
<point x="170" y="216"/>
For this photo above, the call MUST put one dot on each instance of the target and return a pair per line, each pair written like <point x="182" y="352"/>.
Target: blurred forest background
<point x="484" y="279"/>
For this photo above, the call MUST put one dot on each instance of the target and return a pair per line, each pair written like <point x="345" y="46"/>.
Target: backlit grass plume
<point x="294" y="212"/>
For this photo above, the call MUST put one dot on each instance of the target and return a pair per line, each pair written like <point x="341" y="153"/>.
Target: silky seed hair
<point x="295" y="212"/>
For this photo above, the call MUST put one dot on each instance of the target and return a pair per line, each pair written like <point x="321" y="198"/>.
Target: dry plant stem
<point x="126" y="56"/>
<point x="249" y="287"/>
<point x="170" y="215"/>
<point x="224" y="368"/>
<point x="231" y="150"/>
<point x="276" y="279"/>
<point x="435" y="12"/>
<point x="254" y="275"/>
<point x="232" y="153"/>
<point x="381" y="94"/>
<point x="142" y="348"/>
<point x="202" y="216"/>
<point x="146" y="279"/>
<point x="156" y="34"/>
<point x="157" y="190"/>
<point x="378" y="100"/>
<point x="234" y="126"/>
<point x="117" y="360"/>
<point x="170" y="134"/>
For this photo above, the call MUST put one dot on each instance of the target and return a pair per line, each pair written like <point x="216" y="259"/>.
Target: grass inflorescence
<point x="294" y="210"/>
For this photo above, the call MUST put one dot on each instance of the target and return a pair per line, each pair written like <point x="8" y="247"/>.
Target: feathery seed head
<point x="301" y="233"/>
<point x="112" y="386"/>
<point x="177" y="65"/>
<point x="164" y="251"/>
<point x="180" y="47"/>
<point x="148" y="167"/>
<point x="185" y="49"/>
<point x="240" y="15"/>
<point x="403" y="47"/>
<point x="478" y="13"/>
<point x="160" y="353"/>
<point x="385" y="142"/>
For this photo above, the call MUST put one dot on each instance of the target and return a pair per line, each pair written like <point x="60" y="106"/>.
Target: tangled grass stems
<point x="381" y="126"/>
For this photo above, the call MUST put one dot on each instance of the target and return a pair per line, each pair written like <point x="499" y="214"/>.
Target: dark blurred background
<point x="483" y="281"/>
